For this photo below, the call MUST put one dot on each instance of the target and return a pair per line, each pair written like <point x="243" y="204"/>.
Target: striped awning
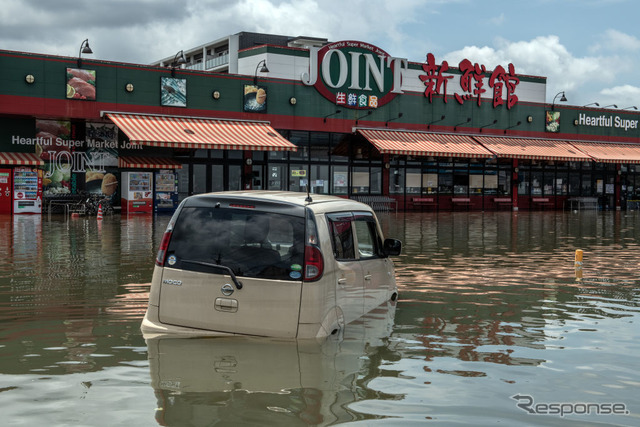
<point x="534" y="149"/>
<point x="610" y="152"/>
<point x="140" y="162"/>
<point x="185" y="132"/>
<point x="20" y="159"/>
<point x="424" y="144"/>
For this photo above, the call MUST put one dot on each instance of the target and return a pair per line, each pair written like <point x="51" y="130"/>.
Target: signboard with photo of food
<point x="101" y="183"/>
<point x="81" y="84"/>
<point x="255" y="99"/>
<point x="173" y="92"/>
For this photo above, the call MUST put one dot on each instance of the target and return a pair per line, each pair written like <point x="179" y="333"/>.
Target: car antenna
<point x="308" y="199"/>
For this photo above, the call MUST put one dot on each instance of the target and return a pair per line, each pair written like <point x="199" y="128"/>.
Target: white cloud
<point x="547" y="57"/>
<point x="614" y="40"/>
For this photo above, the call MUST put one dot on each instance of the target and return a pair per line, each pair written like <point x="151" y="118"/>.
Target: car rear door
<point x="233" y="271"/>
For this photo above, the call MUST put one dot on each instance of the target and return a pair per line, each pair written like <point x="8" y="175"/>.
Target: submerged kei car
<point x="264" y="263"/>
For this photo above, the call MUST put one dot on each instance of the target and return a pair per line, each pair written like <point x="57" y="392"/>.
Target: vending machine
<point x="5" y="191"/>
<point x="137" y="192"/>
<point x="27" y="190"/>
<point x="166" y="194"/>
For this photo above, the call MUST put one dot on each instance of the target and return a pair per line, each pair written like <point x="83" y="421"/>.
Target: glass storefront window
<point x="536" y="183"/>
<point x="183" y="182"/>
<point x="360" y="180"/>
<point x="201" y="154"/>
<point x="277" y="177"/>
<point x="476" y="179"/>
<point x="491" y="178"/>
<point x="504" y="179"/>
<point x="340" y="182"/>
<point x="298" y="178"/>
<point x="548" y="182"/>
<point x="396" y="181"/>
<point x="574" y="184"/>
<point x="199" y="179"/>
<point x="320" y="179"/>
<point x="445" y="181"/>
<point x="217" y="178"/>
<point x="217" y="154"/>
<point x="319" y="146"/>
<point x="430" y="178"/>
<point x="376" y="180"/>
<point x="524" y="183"/>
<point x="235" y="177"/>
<point x="562" y="183"/>
<point x="460" y="182"/>
<point x="585" y="185"/>
<point x="413" y="182"/>
<point x="235" y="154"/>
<point x="301" y="139"/>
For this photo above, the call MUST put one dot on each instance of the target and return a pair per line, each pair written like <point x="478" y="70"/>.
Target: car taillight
<point x="313" y="263"/>
<point x="162" y="252"/>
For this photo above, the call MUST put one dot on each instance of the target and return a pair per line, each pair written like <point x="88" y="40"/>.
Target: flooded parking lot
<point x="492" y="325"/>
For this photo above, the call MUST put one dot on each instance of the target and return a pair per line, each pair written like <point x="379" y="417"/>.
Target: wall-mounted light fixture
<point x="178" y="60"/>
<point x="562" y="99"/>
<point x="529" y="119"/>
<point x="249" y="161"/>
<point x="293" y="101"/>
<point x="593" y="103"/>
<point x="465" y="122"/>
<point x="365" y="115"/>
<point x="128" y="87"/>
<point x="512" y="126"/>
<point x="395" y="118"/>
<point x="29" y="78"/>
<point x="435" y="121"/>
<point x="612" y="105"/>
<point x="324" y="119"/>
<point x="629" y="108"/>
<point x="215" y="94"/>
<point x="263" y="69"/>
<point x="84" y="48"/>
<point x="488" y="124"/>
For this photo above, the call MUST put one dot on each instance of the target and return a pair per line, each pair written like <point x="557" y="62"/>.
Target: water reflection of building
<point x="264" y="381"/>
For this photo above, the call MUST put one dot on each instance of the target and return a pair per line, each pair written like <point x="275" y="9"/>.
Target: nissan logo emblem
<point x="226" y="289"/>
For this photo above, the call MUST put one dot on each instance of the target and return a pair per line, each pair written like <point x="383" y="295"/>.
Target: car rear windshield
<point x="250" y="243"/>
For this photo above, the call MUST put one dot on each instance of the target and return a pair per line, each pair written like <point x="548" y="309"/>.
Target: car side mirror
<point x="392" y="247"/>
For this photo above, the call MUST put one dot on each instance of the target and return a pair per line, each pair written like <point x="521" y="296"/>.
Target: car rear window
<point x="251" y="243"/>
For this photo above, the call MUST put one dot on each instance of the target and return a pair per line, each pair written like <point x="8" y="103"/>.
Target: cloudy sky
<point x="588" y="48"/>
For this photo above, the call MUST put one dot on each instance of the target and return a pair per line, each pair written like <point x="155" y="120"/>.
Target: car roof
<point x="319" y="202"/>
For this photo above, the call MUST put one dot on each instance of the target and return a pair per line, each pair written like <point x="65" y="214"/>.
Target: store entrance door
<point x="5" y="191"/>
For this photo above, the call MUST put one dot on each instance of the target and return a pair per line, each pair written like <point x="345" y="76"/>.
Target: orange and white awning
<point x="424" y="144"/>
<point x="610" y="152"/>
<point x="20" y="159"/>
<point x="534" y="149"/>
<point x="186" y="132"/>
<point x="140" y="162"/>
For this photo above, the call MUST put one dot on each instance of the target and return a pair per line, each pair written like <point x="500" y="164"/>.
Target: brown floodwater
<point x="494" y="325"/>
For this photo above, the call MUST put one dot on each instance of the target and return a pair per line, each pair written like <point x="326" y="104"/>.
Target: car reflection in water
<point x="262" y="381"/>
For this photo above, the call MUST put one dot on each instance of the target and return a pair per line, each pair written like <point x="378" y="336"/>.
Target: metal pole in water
<point x="578" y="264"/>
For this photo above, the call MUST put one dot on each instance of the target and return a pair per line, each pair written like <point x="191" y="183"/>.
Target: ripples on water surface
<point x="489" y="308"/>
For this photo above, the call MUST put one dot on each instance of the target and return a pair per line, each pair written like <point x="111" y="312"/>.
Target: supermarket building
<point x="258" y="111"/>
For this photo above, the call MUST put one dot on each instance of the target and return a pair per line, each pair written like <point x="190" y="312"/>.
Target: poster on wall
<point x="81" y="84"/>
<point x="255" y="99"/>
<point x="173" y="92"/>
<point x="552" y="121"/>
<point x="102" y="145"/>
<point x="53" y="146"/>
